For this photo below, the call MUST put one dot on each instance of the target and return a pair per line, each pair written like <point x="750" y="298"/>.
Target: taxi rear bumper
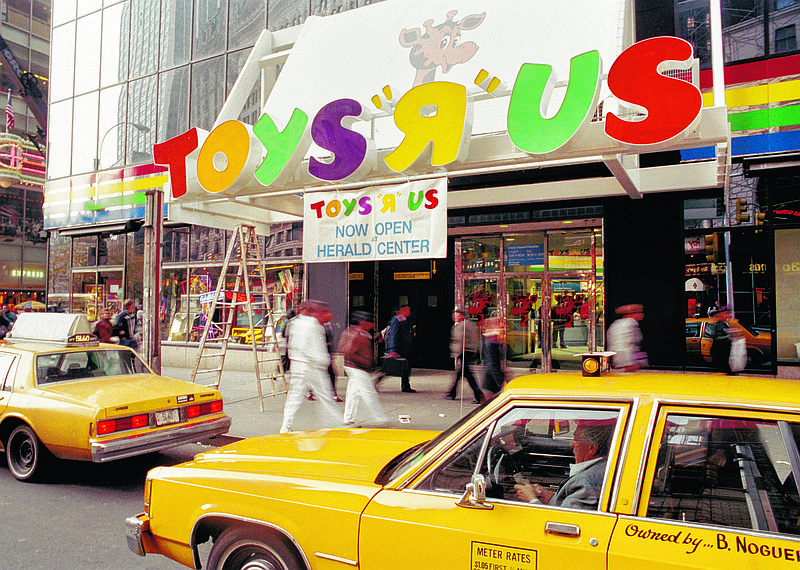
<point x="103" y="451"/>
<point x="135" y="527"/>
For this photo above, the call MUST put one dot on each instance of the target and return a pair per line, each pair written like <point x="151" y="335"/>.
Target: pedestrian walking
<point x="465" y="341"/>
<point x="625" y="338"/>
<point x="398" y="346"/>
<point x="355" y="345"/>
<point x="310" y="359"/>
<point x="493" y="344"/>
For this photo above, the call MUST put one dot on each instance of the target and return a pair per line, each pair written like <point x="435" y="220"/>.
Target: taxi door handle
<point x="562" y="529"/>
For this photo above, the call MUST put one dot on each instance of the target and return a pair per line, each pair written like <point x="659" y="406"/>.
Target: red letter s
<point x="672" y="105"/>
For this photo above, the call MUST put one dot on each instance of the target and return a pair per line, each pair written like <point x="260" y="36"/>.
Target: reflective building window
<point x="287" y="13"/>
<point x="84" y="137"/>
<point x="143" y="38"/>
<point x="210" y="26"/>
<point x="62" y="62"/>
<point x="246" y="20"/>
<point x="173" y="103"/>
<point x="208" y="92"/>
<point x="114" y="61"/>
<point x="176" y="32"/>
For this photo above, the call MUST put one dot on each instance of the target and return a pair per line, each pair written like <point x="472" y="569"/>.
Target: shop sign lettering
<point x="435" y="120"/>
<point x="393" y="222"/>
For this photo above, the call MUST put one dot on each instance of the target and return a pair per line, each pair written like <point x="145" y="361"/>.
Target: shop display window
<point x="787" y="294"/>
<point x="570" y="251"/>
<point x="524" y="252"/>
<point x="480" y="255"/>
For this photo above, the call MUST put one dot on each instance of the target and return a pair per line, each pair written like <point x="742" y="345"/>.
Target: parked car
<point x="683" y="471"/>
<point x="700" y="336"/>
<point x="64" y="394"/>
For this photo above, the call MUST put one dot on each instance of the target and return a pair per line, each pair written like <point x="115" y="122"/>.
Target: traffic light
<point x="741" y="211"/>
<point x="760" y="217"/>
<point x="712" y="248"/>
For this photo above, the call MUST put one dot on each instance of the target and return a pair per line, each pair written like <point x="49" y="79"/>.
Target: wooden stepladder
<point x="243" y="256"/>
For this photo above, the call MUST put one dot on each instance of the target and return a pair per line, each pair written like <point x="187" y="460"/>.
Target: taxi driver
<point x="590" y="445"/>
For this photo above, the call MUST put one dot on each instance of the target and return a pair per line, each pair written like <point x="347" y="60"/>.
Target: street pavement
<point x="426" y="409"/>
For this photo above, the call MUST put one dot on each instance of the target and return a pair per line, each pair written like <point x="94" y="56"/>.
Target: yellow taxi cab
<point x="559" y="471"/>
<point x="700" y="333"/>
<point x="64" y="394"/>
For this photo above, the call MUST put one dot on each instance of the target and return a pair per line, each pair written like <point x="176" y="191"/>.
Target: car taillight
<point x="204" y="409"/>
<point x="105" y="427"/>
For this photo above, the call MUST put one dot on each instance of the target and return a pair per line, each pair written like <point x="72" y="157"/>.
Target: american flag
<point x="9" y="114"/>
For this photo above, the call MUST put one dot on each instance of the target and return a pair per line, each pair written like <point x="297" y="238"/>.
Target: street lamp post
<point x="137" y="126"/>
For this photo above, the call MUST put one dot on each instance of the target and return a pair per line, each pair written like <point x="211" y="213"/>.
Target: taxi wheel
<point x="26" y="454"/>
<point x="251" y="549"/>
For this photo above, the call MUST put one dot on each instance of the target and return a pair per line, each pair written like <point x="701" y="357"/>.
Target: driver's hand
<point x="533" y="493"/>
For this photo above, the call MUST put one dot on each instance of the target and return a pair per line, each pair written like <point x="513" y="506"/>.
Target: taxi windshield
<point x="78" y="365"/>
<point x="412" y="456"/>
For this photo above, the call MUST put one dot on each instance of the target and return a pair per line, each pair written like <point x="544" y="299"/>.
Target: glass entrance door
<point x="569" y="332"/>
<point x="524" y="322"/>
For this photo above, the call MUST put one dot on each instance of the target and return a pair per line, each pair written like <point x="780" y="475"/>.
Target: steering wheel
<point x="500" y="466"/>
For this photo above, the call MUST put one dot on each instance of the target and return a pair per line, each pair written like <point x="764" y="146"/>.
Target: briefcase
<point x="395" y="366"/>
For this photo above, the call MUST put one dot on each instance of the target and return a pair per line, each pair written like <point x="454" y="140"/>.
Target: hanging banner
<point x="404" y="221"/>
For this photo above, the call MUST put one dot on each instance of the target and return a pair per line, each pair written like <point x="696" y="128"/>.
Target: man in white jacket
<point x="308" y="353"/>
<point x="625" y="337"/>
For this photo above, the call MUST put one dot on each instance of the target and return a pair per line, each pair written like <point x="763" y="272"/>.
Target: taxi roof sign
<point x="50" y="327"/>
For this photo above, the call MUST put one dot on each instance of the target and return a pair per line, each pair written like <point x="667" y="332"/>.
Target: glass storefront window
<point x="134" y="276"/>
<point x="173" y="316"/>
<point x="85" y="294"/>
<point x="524" y="322"/>
<point x="570" y="251"/>
<point x="111" y="250"/>
<point x="109" y="292"/>
<point x="207" y="244"/>
<point x="524" y="252"/>
<point x="480" y="254"/>
<point x="84" y="251"/>
<point x="201" y="280"/>
<point x="787" y="294"/>
<point x="175" y="245"/>
<point x="480" y="299"/>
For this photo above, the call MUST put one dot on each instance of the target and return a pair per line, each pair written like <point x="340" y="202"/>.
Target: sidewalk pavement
<point x="427" y="409"/>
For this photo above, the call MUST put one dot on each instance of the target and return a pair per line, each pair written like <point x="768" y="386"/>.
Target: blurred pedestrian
<point x="465" y="341"/>
<point x="331" y="371"/>
<point x="493" y="345"/>
<point x="310" y="359"/>
<point x="359" y="363"/>
<point x="625" y="338"/>
<point x="103" y="328"/>
<point x="728" y="347"/>
<point x="399" y="342"/>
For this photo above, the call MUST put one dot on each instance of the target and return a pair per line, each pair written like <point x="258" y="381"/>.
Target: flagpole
<point x="8" y="107"/>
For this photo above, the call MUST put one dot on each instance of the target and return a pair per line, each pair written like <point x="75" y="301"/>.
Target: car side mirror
<point x="475" y="494"/>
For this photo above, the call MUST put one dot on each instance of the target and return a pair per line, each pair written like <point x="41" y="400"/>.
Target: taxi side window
<point x="729" y="472"/>
<point x="457" y="471"/>
<point x="534" y="447"/>
<point x="6" y="378"/>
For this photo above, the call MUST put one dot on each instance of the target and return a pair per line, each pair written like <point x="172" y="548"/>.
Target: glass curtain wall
<point x="154" y="70"/>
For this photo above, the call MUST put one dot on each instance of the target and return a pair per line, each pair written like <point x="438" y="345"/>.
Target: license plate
<point x="166" y="417"/>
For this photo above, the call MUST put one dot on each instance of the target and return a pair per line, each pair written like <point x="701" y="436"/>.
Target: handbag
<point x="394" y="366"/>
